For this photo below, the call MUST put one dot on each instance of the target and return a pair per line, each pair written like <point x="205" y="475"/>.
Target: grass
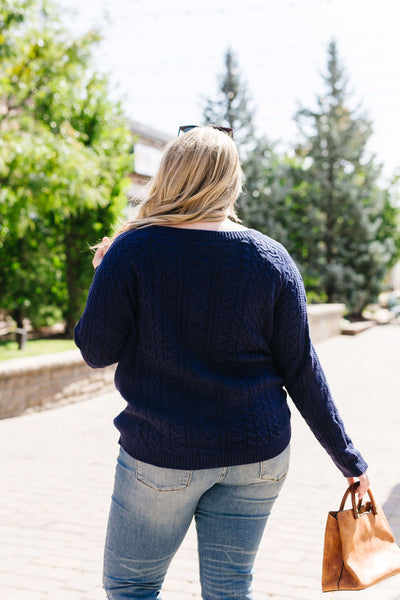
<point x="34" y="348"/>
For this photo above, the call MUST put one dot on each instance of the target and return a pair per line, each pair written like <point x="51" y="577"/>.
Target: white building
<point x="148" y="146"/>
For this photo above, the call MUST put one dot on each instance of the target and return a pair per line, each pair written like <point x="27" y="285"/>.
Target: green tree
<point x="346" y="237"/>
<point x="64" y="152"/>
<point x="262" y="205"/>
<point x="261" y="167"/>
<point x="232" y="106"/>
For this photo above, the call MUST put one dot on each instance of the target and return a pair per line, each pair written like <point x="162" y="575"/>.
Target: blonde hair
<point x="199" y="179"/>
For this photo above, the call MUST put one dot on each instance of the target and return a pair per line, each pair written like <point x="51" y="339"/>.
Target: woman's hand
<point x="364" y="484"/>
<point x="100" y="252"/>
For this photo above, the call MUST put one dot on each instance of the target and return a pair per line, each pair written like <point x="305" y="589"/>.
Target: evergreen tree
<point x="345" y="239"/>
<point x="232" y="107"/>
<point x="325" y="203"/>
<point x="262" y="205"/>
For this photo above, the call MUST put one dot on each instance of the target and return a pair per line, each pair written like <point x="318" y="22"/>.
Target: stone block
<point x="325" y="321"/>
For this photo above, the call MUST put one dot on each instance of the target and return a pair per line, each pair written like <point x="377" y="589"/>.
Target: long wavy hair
<point x="199" y="179"/>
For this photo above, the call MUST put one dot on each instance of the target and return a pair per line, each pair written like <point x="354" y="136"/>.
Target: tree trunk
<point x="329" y="237"/>
<point x="18" y="316"/>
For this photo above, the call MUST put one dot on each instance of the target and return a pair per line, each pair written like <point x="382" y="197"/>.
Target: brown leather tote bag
<point x="359" y="548"/>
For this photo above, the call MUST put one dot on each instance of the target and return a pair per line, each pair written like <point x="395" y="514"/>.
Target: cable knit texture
<point x="209" y="328"/>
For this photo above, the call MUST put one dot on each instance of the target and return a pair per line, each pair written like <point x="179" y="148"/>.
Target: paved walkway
<point x="56" y="472"/>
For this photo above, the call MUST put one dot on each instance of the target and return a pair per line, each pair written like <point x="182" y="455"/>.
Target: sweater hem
<point x="195" y="460"/>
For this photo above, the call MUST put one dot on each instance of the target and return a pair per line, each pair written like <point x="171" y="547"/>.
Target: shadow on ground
<point x="391" y="509"/>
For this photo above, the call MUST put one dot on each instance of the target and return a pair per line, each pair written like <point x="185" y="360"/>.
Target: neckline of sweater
<point x="207" y="234"/>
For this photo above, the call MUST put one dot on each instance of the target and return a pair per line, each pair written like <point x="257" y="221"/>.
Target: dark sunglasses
<point x="186" y="128"/>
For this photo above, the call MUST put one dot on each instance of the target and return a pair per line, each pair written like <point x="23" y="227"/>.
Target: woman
<point x="207" y="321"/>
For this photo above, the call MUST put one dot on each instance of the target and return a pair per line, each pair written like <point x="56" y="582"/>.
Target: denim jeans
<point x="151" y="511"/>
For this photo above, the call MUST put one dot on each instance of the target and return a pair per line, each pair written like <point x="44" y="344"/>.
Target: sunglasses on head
<point x="186" y="128"/>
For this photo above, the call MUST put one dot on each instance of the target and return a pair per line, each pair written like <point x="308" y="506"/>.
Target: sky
<point x="164" y="57"/>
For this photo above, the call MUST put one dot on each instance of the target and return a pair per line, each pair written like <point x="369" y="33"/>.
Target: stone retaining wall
<point x="325" y="321"/>
<point x="38" y="382"/>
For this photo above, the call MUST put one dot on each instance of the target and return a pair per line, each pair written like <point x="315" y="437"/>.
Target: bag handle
<point x="356" y="508"/>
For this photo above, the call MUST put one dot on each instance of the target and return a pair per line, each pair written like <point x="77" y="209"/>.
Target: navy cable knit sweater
<point x="208" y="328"/>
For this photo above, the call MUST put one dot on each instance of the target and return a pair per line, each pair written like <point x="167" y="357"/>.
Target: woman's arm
<point x="298" y="364"/>
<point x="109" y="316"/>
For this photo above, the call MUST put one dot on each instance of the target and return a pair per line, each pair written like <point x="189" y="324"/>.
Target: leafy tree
<point x="64" y="151"/>
<point x="346" y="238"/>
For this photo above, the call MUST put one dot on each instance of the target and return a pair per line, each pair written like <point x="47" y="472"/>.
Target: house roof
<point x="150" y="134"/>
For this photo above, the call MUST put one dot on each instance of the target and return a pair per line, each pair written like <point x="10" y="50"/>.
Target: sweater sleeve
<point x="109" y="316"/>
<point x="298" y="364"/>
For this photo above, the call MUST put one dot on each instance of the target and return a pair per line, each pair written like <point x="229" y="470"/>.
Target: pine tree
<point x="262" y="205"/>
<point x="344" y="253"/>
<point x="232" y="107"/>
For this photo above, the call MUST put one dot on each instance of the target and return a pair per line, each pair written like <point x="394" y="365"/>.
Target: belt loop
<point x="223" y="473"/>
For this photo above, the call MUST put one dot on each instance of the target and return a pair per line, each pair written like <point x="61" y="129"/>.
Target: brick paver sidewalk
<point x="56" y="472"/>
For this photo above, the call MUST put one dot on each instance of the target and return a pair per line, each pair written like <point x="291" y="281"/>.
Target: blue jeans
<point x="151" y="511"/>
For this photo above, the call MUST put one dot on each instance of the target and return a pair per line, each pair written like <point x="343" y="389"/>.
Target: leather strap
<point x="352" y="489"/>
